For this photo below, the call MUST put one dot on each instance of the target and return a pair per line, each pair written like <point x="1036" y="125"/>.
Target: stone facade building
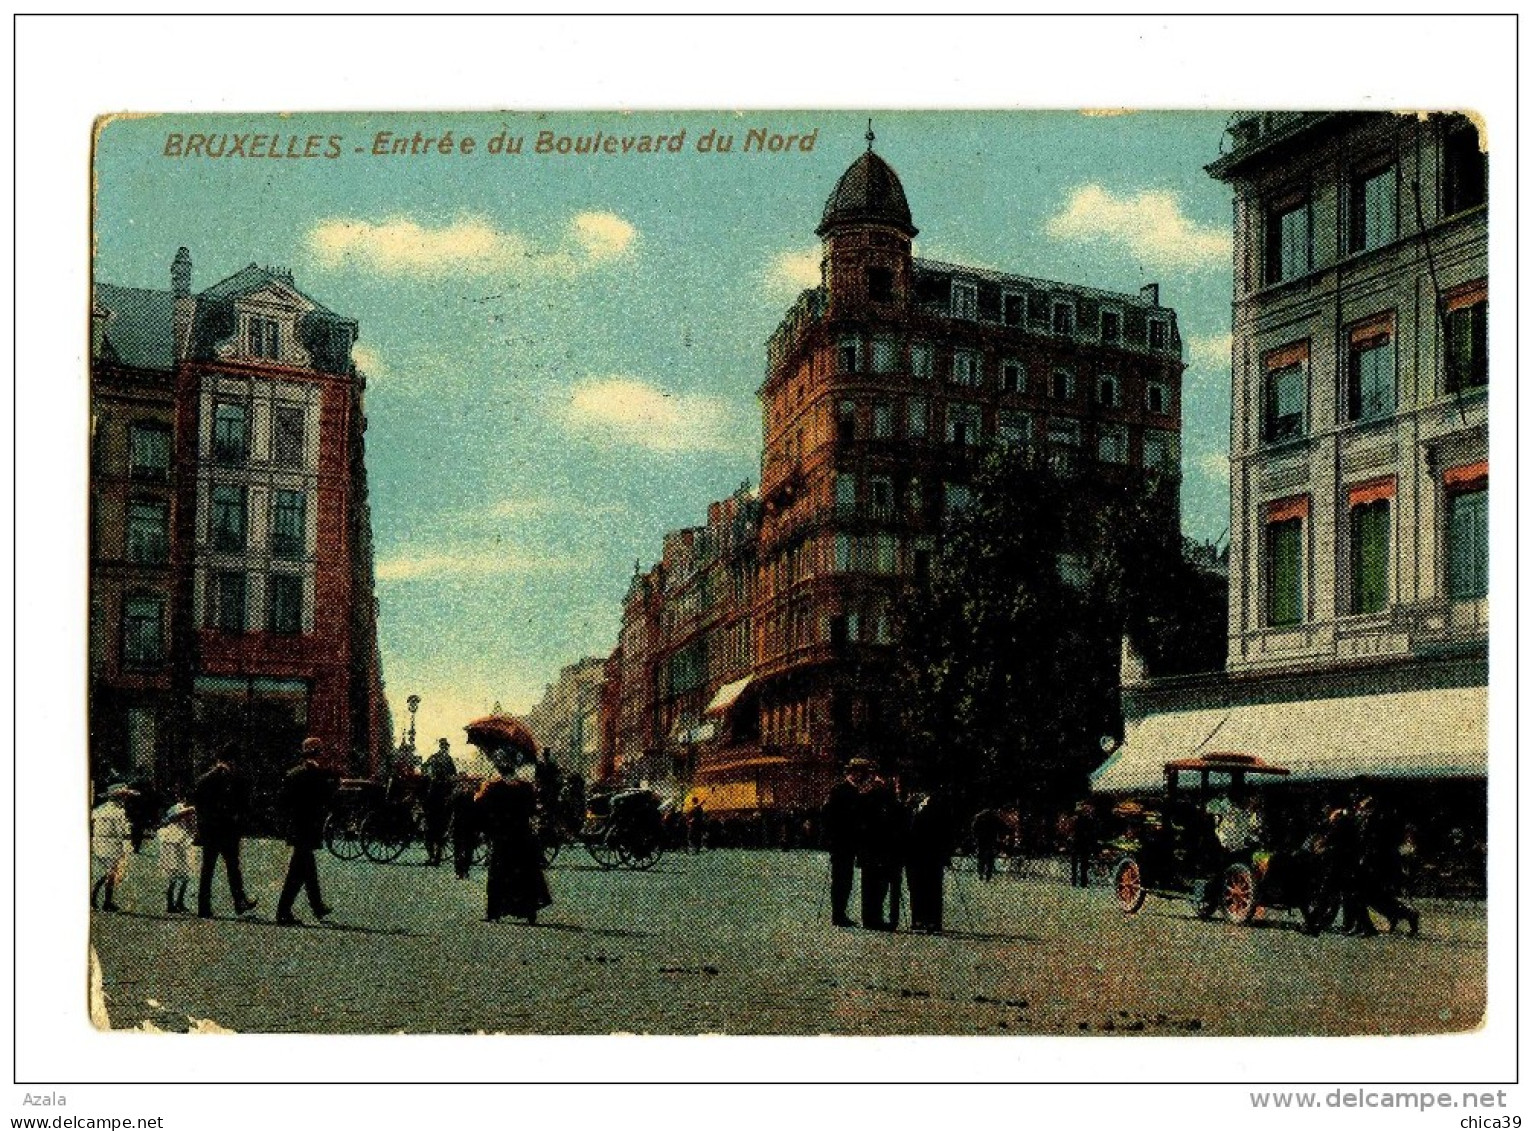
<point x="1359" y="459"/>
<point x="231" y="572"/>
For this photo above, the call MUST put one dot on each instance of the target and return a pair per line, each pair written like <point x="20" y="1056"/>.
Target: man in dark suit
<point x="884" y="831"/>
<point x="842" y="836"/>
<point x="222" y="799"/>
<point x="305" y="799"/>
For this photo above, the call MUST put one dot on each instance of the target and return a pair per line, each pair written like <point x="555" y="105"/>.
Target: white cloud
<point x="1214" y="465"/>
<point x="469" y="245"/>
<point x="792" y="271"/>
<point x="529" y="507"/>
<point x="1210" y="351"/>
<point x="603" y="236"/>
<point x="368" y="360"/>
<point x="628" y="411"/>
<point x="1149" y="225"/>
<point x="462" y="563"/>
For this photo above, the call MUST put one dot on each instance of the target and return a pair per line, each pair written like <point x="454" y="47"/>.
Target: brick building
<point x="566" y="720"/>
<point x="686" y="637"/>
<point x="231" y="571"/>
<point x="883" y="384"/>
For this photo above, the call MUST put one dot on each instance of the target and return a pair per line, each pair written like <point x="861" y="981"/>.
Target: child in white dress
<point x="175" y="838"/>
<point x="110" y="836"/>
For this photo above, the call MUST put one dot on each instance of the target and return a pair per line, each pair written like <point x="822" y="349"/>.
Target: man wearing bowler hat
<point x="843" y="834"/>
<point x="305" y="800"/>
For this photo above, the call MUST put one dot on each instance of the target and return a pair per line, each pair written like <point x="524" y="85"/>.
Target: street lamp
<point x="413" y="703"/>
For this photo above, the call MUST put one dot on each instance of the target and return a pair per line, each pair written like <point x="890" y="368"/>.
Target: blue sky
<point x="563" y="352"/>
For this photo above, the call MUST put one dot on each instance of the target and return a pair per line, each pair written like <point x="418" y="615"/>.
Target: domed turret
<point x="868" y="192"/>
<point x="867" y="233"/>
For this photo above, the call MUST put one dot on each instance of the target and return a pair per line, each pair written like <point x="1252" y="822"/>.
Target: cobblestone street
<point x="740" y="942"/>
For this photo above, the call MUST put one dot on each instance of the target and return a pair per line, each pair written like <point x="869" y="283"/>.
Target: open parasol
<point x="504" y="740"/>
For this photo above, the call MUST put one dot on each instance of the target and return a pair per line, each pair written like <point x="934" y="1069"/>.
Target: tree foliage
<point x="1010" y="650"/>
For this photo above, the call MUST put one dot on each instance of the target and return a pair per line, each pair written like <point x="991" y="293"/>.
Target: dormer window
<point x="1063" y="318"/>
<point x="265" y="338"/>
<point x="965" y="300"/>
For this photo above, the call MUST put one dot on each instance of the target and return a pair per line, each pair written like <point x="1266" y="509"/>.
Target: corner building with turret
<point x="883" y="385"/>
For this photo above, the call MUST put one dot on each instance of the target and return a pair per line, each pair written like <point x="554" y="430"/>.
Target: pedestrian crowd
<point x="1355" y="858"/>
<point x="215" y="819"/>
<point x="886" y="842"/>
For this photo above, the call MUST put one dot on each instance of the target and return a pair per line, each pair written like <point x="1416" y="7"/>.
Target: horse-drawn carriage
<point x="623" y="827"/>
<point x="1199" y="842"/>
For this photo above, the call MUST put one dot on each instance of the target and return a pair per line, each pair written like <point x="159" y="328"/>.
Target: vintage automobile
<point x="1170" y="848"/>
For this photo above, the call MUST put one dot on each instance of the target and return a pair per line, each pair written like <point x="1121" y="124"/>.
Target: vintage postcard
<point x="790" y="572"/>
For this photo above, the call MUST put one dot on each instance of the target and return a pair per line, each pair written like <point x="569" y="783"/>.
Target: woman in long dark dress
<point x="516" y="885"/>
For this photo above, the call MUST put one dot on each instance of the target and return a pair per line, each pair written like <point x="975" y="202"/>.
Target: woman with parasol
<point x="505" y="807"/>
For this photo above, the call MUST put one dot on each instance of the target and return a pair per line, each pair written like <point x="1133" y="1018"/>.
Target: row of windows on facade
<point x="230" y="527"/>
<point x="143" y="617"/>
<point x="1371" y="371"/>
<point x="1038" y="311"/>
<point x="1371" y="207"/>
<point x="882" y="552"/>
<point x="964" y="426"/>
<point x="691" y="601"/>
<point x="231" y="434"/>
<point x="148" y="525"/>
<point x="782" y="723"/>
<point x="711" y="660"/>
<point x="1367" y="551"/>
<point x="966" y="367"/>
<point x="149" y="442"/>
<point x="870" y="622"/>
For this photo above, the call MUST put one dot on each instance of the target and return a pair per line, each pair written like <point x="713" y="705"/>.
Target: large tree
<point x="1010" y="648"/>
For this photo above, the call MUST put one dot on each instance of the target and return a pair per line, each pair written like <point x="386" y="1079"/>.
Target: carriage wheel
<point x="382" y="839"/>
<point x="1239" y="898"/>
<point x="603" y="851"/>
<point x="642" y="853"/>
<point x="340" y="836"/>
<point x="1128" y="883"/>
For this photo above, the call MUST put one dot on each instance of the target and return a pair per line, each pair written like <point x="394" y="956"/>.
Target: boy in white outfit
<point x="110" y="836"/>
<point x="175" y="838"/>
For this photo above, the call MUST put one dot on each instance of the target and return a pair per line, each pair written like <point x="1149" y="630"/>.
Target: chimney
<point x="1150" y="293"/>
<point x="180" y="273"/>
<point x="185" y="305"/>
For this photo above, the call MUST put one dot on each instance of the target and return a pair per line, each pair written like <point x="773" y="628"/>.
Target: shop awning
<point x="1410" y="734"/>
<point x="727" y="696"/>
<point x="726" y="797"/>
<point x="742" y="765"/>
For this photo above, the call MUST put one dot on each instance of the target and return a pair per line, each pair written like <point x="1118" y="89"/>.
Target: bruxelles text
<point x="447" y="143"/>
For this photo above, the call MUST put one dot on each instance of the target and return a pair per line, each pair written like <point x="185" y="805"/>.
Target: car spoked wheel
<point x="1239" y="902"/>
<point x="1128" y="883"/>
